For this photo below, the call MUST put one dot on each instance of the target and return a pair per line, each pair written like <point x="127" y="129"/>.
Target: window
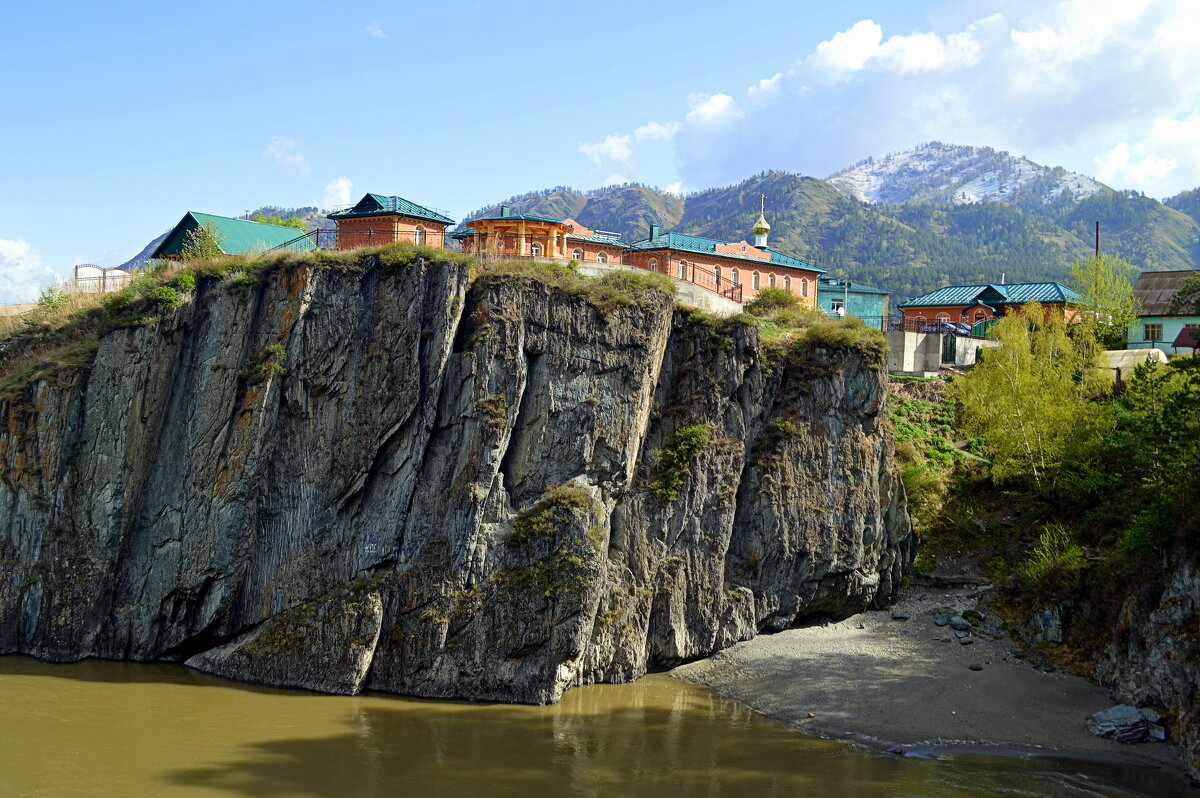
<point x="654" y="264"/>
<point x="535" y="250"/>
<point x="770" y="280"/>
<point x="733" y="276"/>
<point x="838" y="306"/>
<point x="920" y="320"/>
<point x="803" y="287"/>
<point x="601" y="257"/>
<point x="419" y="235"/>
<point x="754" y="281"/>
<point x="787" y="284"/>
<point x="980" y="315"/>
<point x="1152" y="332"/>
<point x="943" y="317"/>
<point x="683" y="270"/>
<point x="717" y="274"/>
<point x="577" y="254"/>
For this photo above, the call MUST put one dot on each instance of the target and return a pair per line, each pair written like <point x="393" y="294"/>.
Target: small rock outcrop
<point x="1126" y="724"/>
<point x="394" y="477"/>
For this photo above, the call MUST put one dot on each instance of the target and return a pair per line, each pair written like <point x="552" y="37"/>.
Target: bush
<point x="771" y="299"/>
<point x="1054" y="559"/>
<point x="673" y="460"/>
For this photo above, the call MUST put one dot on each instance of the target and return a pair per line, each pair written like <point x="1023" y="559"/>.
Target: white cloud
<point x="22" y="273"/>
<point x="675" y="188"/>
<point x="1165" y="155"/>
<point x="337" y="193"/>
<point x="1058" y="81"/>
<point x="287" y="152"/>
<point x="616" y="179"/>
<point x="613" y="148"/>
<point x="712" y="109"/>
<point x="376" y="30"/>
<point x="653" y="131"/>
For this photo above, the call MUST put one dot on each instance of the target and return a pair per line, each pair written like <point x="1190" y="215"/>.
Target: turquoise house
<point x="234" y="236"/>
<point x="857" y="299"/>
<point x="1157" y="327"/>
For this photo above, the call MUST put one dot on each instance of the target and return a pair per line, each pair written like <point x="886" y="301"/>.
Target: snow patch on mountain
<point x="962" y="175"/>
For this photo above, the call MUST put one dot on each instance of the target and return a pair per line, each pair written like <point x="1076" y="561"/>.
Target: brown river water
<point x="131" y="730"/>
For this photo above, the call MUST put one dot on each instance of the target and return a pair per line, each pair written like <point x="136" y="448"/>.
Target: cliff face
<point x="1155" y="656"/>
<point x="391" y="479"/>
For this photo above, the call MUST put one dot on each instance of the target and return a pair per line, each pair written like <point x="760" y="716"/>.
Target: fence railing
<point x="943" y="327"/>
<point x="91" y="279"/>
<point x="353" y="239"/>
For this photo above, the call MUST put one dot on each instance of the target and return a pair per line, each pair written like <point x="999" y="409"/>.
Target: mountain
<point x="908" y="248"/>
<point x="939" y="172"/>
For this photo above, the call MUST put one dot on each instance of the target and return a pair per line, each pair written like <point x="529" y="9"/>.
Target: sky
<point x="119" y="117"/>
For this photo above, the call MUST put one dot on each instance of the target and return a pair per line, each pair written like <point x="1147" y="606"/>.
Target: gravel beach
<point x="908" y="685"/>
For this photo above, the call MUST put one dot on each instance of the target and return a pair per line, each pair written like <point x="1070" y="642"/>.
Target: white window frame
<point x="601" y="257"/>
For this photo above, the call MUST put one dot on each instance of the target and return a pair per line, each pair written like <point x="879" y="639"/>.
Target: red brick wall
<point x="375" y="230"/>
<point x="702" y="270"/>
<point x="974" y="314"/>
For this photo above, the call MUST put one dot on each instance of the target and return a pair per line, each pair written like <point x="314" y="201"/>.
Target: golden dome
<point x="761" y="227"/>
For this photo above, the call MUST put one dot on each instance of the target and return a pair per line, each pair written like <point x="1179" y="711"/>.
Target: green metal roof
<point x="528" y="217"/>
<point x="992" y="294"/>
<point x="835" y="283"/>
<point x="610" y="240"/>
<point x="381" y="205"/>
<point x="236" y="236"/>
<point x="467" y="232"/>
<point x="708" y="246"/>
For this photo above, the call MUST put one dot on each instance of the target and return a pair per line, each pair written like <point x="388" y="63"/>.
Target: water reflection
<point x="102" y="728"/>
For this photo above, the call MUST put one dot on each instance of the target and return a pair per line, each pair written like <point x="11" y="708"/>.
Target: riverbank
<point x="908" y="685"/>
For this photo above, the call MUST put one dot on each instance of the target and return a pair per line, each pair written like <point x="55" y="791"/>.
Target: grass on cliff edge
<point x="606" y="294"/>
<point x="62" y="335"/>
<point x="787" y="326"/>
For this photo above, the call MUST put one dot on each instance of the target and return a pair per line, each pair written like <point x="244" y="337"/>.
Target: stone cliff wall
<point x="1155" y="657"/>
<point x="390" y="478"/>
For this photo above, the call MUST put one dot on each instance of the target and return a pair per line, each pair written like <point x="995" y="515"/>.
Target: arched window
<point x="733" y="276"/>
<point x="803" y="287"/>
<point x="787" y="284"/>
<point x="717" y="274"/>
<point x="770" y="280"/>
<point x="683" y="270"/>
<point x="919" y="321"/>
<point x="754" y="281"/>
<point x="943" y="317"/>
<point x="419" y="235"/>
<point x="577" y="254"/>
<point x="654" y="264"/>
<point x="980" y="315"/>
<point x="601" y="257"/>
<point x="535" y="249"/>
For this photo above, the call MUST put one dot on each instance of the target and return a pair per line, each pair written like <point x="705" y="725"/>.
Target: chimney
<point x="653" y="230"/>
<point x="505" y="211"/>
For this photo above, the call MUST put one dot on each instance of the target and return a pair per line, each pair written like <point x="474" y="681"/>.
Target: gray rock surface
<point x="1155" y="656"/>
<point x="441" y="489"/>
<point x="1125" y="724"/>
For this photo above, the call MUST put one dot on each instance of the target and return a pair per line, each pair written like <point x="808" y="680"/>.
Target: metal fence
<point x="91" y="279"/>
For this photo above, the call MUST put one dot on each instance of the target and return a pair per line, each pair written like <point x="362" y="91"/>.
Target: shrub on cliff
<point x="606" y="294"/>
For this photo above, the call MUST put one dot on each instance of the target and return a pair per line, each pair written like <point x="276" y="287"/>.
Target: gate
<point x="948" y="348"/>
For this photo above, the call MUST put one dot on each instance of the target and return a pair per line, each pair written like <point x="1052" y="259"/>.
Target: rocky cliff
<point x="1154" y="659"/>
<point x="393" y="477"/>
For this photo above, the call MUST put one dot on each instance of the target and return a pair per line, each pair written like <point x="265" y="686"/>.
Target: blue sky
<point x="119" y="117"/>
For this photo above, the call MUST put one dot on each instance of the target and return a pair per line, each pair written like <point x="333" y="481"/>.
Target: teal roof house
<point x="234" y="236"/>
<point x="837" y="298"/>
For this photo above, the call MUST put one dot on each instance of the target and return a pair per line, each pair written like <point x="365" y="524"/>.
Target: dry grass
<point x="606" y="294"/>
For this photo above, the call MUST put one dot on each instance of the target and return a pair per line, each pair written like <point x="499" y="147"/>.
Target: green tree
<point x="1107" y="306"/>
<point x="1187" y="298"/>
<point x="279" y="221"/>
<point x="203" y="242"/>
<point x="1029" y="398"/>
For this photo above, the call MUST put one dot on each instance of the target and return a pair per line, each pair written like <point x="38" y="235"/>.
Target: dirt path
<point x="908" y="684"/>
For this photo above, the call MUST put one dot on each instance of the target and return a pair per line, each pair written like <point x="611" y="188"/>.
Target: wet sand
<point x="907" y="685"/>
